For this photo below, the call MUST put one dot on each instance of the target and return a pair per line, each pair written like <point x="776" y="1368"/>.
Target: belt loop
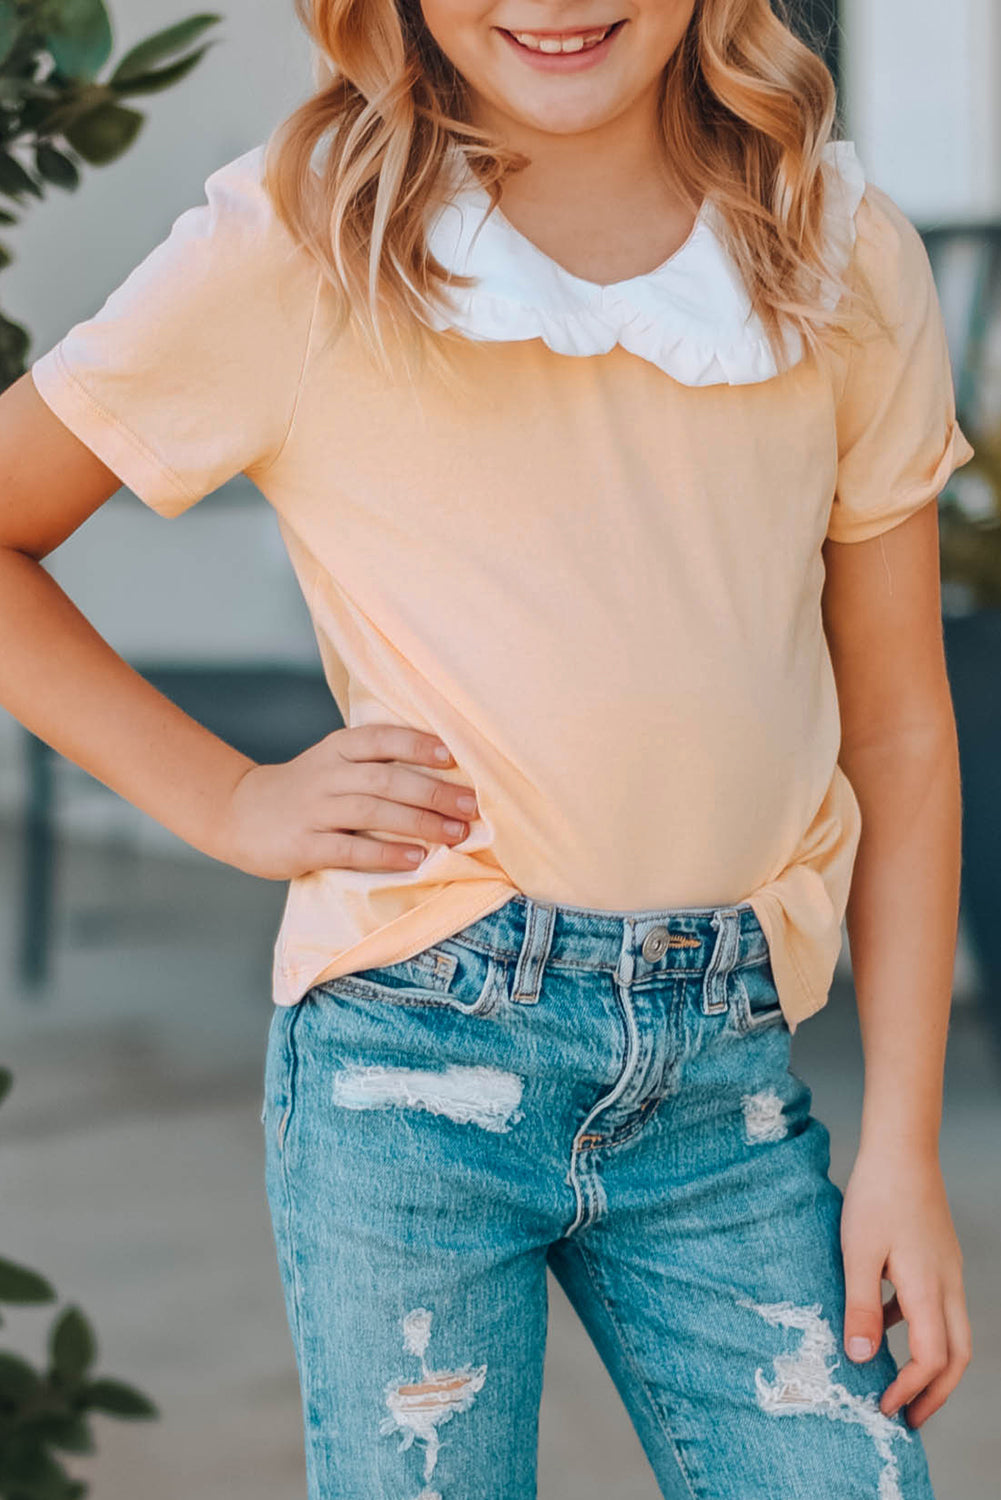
<point x="726" y="920"/>
<point x="626" y="966"/>
<point x="540" y="921"/>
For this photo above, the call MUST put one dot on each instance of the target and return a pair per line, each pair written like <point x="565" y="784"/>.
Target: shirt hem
<point x="292" y="981"/>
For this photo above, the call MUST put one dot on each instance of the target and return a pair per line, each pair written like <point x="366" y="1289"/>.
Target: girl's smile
<point x="537" y="70"/>
<point x="563" y="51"/>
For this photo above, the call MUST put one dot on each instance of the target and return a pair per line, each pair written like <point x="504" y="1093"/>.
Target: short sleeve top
<point x="590" y="561"/>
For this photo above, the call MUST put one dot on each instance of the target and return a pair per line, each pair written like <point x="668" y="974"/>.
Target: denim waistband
<point x="708" y="941"/>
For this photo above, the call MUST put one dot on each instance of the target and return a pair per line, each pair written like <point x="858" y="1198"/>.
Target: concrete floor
<point x="131" y="1171"/>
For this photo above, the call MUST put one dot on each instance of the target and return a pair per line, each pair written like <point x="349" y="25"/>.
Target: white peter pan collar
<point x="691" y="316"/>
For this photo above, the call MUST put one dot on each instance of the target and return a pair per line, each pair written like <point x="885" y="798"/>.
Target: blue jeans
<point x="608" y="1095"/>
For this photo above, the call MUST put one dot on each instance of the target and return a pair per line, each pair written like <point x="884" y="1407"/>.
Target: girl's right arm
<point x="66" y="684"/>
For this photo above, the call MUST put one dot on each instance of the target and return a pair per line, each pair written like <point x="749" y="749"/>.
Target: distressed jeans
<point x="607" y="1095"/>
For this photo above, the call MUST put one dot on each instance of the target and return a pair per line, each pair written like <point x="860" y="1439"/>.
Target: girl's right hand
<point x="281" y="821"/>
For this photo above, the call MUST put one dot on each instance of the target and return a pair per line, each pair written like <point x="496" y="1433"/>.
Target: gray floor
<point x="132" y="1175"/>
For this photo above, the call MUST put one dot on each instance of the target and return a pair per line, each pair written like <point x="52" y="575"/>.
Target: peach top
<point x="591" y="564"/>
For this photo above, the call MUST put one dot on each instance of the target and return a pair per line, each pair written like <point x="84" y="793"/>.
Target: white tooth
<point x="554" y="45"/>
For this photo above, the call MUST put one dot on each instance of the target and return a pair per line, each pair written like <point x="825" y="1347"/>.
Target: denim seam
<point x="648" y="1109"/>
<point x="292" y="1067"/>
<point x="642" y="1383"/>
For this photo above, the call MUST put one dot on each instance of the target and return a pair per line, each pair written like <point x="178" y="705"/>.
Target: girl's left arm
<point x="882" y="617"/>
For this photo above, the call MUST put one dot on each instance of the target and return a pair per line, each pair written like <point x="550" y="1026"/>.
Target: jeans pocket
<point x="756" y="998"/>
<point x="448" y="974"/>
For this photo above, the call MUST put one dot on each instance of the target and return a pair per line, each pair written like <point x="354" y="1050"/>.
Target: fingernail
<point x="451" y="826"/>
<point x="415" y="856"/>
<point x="442" y="752"/>
<point x="859" y="1348"/>
<point x="466" y="804"/>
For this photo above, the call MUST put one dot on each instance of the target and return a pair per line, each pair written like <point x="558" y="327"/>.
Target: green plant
<point x="56" y="111"/>
<point x="970" y="528"/>
<point x="43" y="1413"/>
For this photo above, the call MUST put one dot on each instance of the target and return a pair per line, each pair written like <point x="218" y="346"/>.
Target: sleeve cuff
<point x="849" y="526"/>
<point x="105" y="435"/>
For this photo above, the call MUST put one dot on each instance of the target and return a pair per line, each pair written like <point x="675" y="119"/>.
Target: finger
<point x="863" y="1304"/>
<point x="351" y="851"/>
<point x="357" y="810"/>
<point x="392" y="742"/>
<point x="929" y="1346"/>
<point x="960" y="1350"/>
<point x="399" y="784"/>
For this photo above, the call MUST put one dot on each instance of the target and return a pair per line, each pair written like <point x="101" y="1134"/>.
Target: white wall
<point x="923" y="95"/>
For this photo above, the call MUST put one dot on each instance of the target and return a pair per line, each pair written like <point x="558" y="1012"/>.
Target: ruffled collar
<point x="691" y="316"/>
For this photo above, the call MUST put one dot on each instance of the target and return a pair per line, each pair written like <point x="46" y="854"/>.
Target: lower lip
<point x="564" y="62"/>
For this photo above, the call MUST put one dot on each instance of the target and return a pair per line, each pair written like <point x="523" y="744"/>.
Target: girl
<point x="604" y="407"/>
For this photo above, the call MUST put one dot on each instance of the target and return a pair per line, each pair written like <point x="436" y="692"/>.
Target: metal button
<point x="655" y="944"/>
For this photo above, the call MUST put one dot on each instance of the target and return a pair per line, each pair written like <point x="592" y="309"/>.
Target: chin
<point x="562" y="117"/>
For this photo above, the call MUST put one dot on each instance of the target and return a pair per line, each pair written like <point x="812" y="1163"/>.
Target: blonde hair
<point x="747" y="109"/>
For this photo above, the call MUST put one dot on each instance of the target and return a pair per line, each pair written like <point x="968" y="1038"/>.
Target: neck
<point x="602" y="203"/>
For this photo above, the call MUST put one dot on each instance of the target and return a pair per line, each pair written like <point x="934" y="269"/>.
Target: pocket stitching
<point x="418" y="998"/>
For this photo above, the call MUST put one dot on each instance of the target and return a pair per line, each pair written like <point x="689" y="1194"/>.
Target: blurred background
<point x="135" y="973"/>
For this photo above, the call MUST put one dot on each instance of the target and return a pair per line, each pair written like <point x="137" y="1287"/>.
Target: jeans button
<point x="654" y="944"/>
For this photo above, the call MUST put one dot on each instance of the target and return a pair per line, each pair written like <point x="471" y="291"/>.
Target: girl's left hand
<point x="896" y="1223"/>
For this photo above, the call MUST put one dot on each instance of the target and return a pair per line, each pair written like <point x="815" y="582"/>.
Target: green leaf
<point x="161" y="45"/>
<point x="54" y="117"/>
<point x="6" y="218"/>
<point x="18" y="1284"/>
<point x="31" y="1472"/>
<point x="55" y="167"/>
<point x="6" y="1076"/>
<point x="104" y="133"/>
<point x="9" y="27"/>
<point x="15" y="343"/>
<point x="14" y="180"/>
<point x="72" y="1346"/>
<point x="117" y="1399"/>
<point x="18" y="1380"/>
<point x="78" y="35"/>
<point x="68" y="1431"/>
<point x="162" y="78"/>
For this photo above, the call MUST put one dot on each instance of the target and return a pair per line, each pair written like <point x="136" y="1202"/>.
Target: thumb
<point x="863" y="1305"/>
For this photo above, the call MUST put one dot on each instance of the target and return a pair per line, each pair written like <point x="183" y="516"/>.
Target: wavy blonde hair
<point x="747" y="109"/>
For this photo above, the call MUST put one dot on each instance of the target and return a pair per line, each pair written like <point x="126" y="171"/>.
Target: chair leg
<point x="38" y="865"/>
